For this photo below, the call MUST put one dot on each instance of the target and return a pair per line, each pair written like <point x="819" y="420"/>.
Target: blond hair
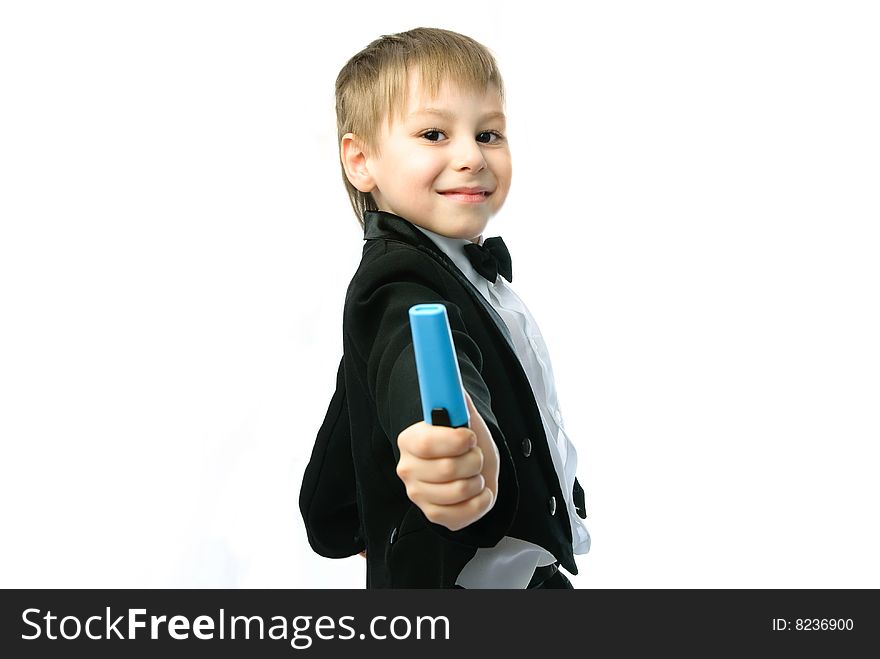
<point x="372" y="85"/>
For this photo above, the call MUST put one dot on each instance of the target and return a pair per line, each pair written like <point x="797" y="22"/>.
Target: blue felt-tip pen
<point x="440" y="385"/>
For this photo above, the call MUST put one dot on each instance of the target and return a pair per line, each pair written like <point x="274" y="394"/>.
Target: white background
<point x="693" y="221"/>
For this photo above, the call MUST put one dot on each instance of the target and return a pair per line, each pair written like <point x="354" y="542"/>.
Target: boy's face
<point x="426" y="155"/>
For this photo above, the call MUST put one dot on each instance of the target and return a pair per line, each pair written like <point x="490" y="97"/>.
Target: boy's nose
<point x="469" y="156"/>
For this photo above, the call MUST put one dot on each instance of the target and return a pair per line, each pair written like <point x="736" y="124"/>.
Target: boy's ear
<point x="354" y="160"/>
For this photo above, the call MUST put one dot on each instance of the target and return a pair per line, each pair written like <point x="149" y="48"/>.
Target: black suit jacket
<point x="351" y="496"/>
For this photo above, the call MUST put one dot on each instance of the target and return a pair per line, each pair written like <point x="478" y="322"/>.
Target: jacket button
<point x="393" y="536"/>
<point x="551" y="504"/>
<point x="527" y="447"/>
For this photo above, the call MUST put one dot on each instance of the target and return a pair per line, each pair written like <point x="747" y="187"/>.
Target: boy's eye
<point x="498" y="135"/>
<point x="432" y="132"/>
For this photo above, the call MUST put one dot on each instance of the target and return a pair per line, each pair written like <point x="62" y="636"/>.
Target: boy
<point x="426" y="163"/>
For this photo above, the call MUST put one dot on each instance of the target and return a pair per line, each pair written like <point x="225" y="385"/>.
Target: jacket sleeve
<point x="377" y="323"/>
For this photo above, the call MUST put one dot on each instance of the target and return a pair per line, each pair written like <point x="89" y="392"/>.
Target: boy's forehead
<point x="450" y="94"/>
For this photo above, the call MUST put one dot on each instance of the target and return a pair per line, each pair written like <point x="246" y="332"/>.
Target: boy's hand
<point x="450" y="473"/>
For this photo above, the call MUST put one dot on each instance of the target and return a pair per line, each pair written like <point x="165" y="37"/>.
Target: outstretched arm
<point x="377" y="313"/>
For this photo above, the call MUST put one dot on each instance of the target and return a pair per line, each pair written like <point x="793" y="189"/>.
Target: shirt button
<point x="551" y="505"/>
<point x="393" y="536"/>
<point x="527" y="447"/>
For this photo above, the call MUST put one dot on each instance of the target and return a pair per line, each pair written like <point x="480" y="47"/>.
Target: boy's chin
<point x="463" y="235"/>
<point x="471" y="231"/>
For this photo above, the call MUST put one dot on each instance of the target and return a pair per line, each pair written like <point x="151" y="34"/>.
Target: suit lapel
<point x="382" y="224"/>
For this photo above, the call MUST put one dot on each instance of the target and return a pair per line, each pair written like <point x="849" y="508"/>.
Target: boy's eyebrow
<point x="449" y="115"/>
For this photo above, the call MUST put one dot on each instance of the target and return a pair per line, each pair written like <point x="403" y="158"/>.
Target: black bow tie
<point x="490" y="259"/>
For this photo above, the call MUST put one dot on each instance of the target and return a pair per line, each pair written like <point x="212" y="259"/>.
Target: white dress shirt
<point x="511" y="562"/>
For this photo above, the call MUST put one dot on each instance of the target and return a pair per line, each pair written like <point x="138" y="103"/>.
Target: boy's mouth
<point x="469" y="195"/>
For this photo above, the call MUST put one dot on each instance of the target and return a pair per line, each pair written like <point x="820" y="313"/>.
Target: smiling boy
<point x="453" y="142"/>
<point x="426" y="163"/>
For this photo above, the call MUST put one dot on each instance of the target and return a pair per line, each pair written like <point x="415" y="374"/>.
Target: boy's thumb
<point x="468" y="401"/>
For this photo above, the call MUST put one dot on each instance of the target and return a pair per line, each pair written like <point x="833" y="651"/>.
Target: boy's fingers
<point x="427" y="441"/>
<point x="459" y="515"/>
<point x="446" y="470"/>
<point x="448" y="494"/>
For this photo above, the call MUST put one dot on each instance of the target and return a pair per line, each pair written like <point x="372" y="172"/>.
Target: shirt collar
<point x="454" y="249"/>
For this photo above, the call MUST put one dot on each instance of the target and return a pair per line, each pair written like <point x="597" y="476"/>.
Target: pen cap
<point x="439" y="377"/>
